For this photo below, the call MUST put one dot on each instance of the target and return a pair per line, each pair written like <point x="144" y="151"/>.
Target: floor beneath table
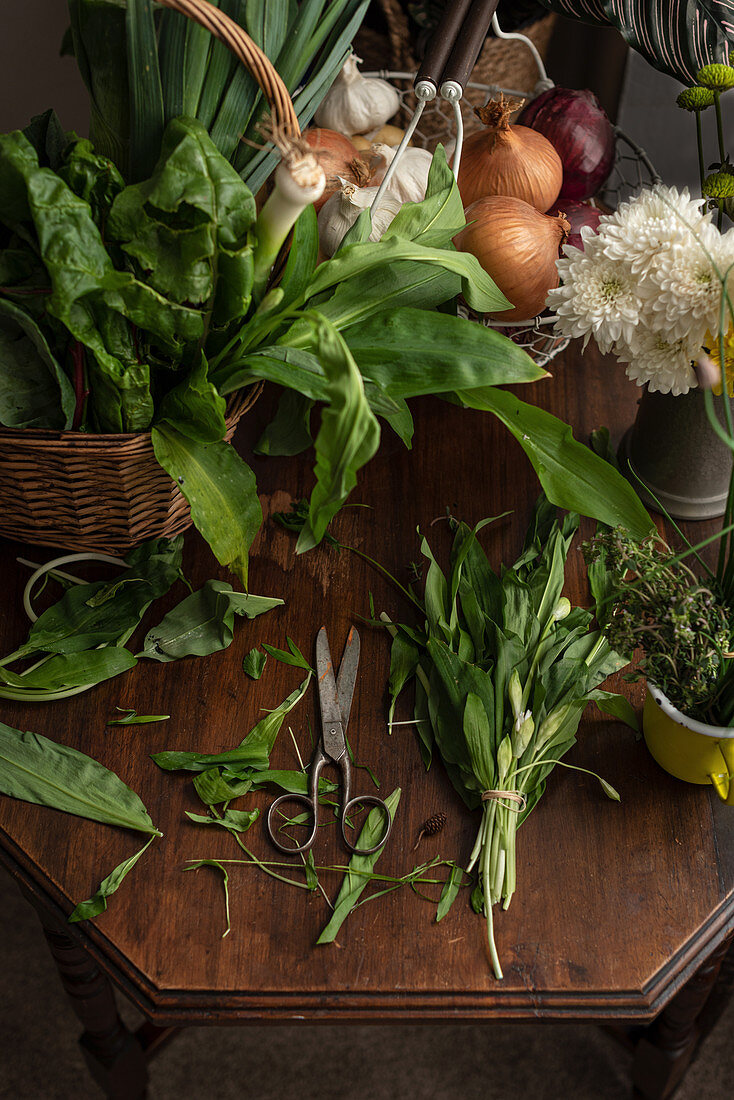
<point x="39" y="1058"/>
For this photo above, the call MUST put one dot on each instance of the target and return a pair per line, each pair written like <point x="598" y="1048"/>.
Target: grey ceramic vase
<point x="673" y="450"/>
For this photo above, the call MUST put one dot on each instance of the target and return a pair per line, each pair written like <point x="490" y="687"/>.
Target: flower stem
<point x="699" y="137"/>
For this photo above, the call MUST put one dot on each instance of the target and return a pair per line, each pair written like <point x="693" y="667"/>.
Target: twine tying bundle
<point x="511" y="796"/>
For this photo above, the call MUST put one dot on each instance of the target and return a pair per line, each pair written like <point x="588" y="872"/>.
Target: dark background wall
<point x="32" y="75"/>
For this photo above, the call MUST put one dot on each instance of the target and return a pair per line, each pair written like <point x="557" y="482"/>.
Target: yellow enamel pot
<point x="690" y="750"/>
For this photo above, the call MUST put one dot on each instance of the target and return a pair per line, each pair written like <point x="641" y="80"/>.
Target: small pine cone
<point x="433" y="825"/>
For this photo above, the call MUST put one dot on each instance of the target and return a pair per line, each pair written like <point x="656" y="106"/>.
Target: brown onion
<point x="339" y="157"/>
<point x="509" y="160"/>
<point x="518" y="246"/>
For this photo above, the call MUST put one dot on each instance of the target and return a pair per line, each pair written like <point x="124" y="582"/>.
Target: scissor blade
<point x="331" y="713"/>
<point x="347" y="678"/>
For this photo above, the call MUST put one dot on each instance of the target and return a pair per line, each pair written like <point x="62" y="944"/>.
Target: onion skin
<point x="518" y="247"/>
<point x="339" y="157"/>
<point x="578" y="215"/>
<point x="577" y="126"/>
<point x="514" y="161"/>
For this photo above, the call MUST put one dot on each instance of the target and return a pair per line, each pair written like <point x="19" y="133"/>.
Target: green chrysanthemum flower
<point x="695" y="99"/>
<point x="719" y="185"/>
<point x="717" y="77"/>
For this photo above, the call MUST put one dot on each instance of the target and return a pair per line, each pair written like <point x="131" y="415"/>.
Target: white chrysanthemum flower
<point x="665" y="365"/>
<point x="685" y="287"/>
<point x="597" y="297"/>
<point x="650" y="225"/>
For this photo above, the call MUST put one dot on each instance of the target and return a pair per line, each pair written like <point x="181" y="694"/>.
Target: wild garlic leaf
<point x="291" y="656"/>
<point x="97" y="904"/>
<point x="220" y="489"/>
<point x="253" y="752"/>
<point x="235" y="821"/>
<point x="253" y="663"/>
<point x="360" y="868"/>
<point x="290" y="781"/>
<point x="618" y="706"/>
<point x="213" y="787"/>
<point x="203" y="622"/>
<point x="348" y="437"/>
<point x="571" y="475"/>
<point x="132" y="718"/>
<point x="104" y="611"/>
<point x="71" y="670"/>
<point x="44" y="772"/>
<point x="450" y="891"/>
<point x="225" y="882"/>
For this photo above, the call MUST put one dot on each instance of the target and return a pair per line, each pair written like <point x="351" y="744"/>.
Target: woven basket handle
<point x="252" y="57"/>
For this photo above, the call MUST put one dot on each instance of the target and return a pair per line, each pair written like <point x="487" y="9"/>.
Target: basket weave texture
<point x="108" y="493"/>
<point x="102" y="493"/>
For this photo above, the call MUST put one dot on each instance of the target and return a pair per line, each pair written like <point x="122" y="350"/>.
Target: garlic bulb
<point x="355" y="104"/>
<point x="341" y="211"/>
<point x="410" y="179"/>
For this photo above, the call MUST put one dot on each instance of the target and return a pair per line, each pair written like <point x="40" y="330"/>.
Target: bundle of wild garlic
<point x="503" y="670"/>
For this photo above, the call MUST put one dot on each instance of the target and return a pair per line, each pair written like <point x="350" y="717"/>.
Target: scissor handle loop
<point x="290" y="849"/>
<point x="365" y="800"/>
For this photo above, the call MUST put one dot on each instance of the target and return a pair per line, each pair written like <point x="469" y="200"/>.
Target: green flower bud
<point x="522" y="731"/>
<point x="552" y="723"/>
<point x="719" y="185"/>
<point x="563" y="608"/>
<point x="695" y="99"/>
<point x="504" y="758"/>
<point x="514" y="691"/>
<point x="718" y="77"/>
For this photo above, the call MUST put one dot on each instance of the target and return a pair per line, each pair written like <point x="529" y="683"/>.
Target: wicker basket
<point x="92" y="492"/>
<point x="107" y="492"/>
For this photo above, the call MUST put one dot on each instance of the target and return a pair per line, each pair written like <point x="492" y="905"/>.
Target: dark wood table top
<point x="616" y="904"/>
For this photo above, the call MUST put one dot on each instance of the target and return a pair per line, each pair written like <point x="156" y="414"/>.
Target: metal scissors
<point x="335" y="696"/>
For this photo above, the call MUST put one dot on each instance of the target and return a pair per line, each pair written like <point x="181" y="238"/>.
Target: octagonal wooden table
<point x="622" y="914"/>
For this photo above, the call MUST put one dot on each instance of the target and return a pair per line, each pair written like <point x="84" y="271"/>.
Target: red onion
<point x="578" y="128"/>
<point x="578" y="215"/>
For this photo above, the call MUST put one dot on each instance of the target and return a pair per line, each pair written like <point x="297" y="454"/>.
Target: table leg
<point x="666" y="1049"/>
<point x="113" y="1055"/>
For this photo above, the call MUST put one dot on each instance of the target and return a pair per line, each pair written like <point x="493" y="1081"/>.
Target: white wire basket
<point x="632" y="170"/>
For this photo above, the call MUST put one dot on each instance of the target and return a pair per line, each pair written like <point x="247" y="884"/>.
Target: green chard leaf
<point x="188" y="225"/>
<point x="203" y="622"/>
<point x="34" y="389"/>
